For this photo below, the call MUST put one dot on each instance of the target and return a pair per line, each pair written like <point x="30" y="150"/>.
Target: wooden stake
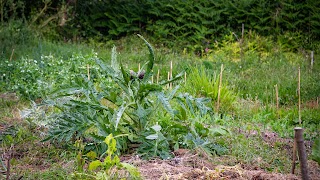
<point x="11" y="54"/>
<point x="298" y="135"/>
<point x="152" y="77"/>
<point x="168" y="80"/>
<point x="277" y="97"/>
<point x="139" y="67"/>
<point x="185" y="77"/>
<point x="170" y="74"/>
<point x="219" y="90"/>
<point x="299" y="103"/>
<point x="88" y="71"/>
<point x="312" y="59"/>
<point x="242" y="32"/>
<point x="158" y="76"/>
<point x="241" y="41"/>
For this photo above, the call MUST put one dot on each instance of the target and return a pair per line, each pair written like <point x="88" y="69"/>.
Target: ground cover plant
<point x="80" y="98"/>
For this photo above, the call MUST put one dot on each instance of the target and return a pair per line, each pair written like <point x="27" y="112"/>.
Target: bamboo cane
<point x="219" y="89"/>
<point x="277" y="97"/>
<point x="312" y="59"/>
<point x="152" y="77"/>
<point x="88" y="71"/>
<point x="170" y="74"/>
<point x="168" y="86"/>
<point x="11" y="54"/>
<point x="158" y="76"/>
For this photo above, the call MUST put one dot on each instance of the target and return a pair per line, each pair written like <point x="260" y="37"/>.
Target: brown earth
<point x="188" y="165"/>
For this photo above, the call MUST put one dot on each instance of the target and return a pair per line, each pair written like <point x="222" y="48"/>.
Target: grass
<point x="250" y="78"/>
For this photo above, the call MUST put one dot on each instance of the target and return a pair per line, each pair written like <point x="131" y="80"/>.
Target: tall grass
<point x="204" y="84"/>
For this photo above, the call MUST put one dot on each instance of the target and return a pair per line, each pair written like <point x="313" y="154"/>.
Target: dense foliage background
<point x="192" y="24"/>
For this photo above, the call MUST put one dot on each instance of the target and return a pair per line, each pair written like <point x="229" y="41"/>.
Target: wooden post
<point x="299" y="103"/>
<point x="88" y="71"/>
<point x="298" y="135"/>
<point x="312" y="59"/>
<point x="139" y="67"/>
<point x="219" y="89"/>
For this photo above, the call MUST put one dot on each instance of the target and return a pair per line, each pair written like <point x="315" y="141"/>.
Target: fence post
<point x="298" y="136"/>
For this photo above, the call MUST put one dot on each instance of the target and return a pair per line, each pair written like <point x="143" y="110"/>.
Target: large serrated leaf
<point x="151" y="59"/>
<point x="118" y="114"/>
<point x="165" y="103"/>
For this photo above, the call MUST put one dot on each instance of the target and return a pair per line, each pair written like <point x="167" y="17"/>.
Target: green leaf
<point x="165" y="102"/>
<point x="91" y="155"/>
<point x="94" y="165"/>
<point x="152" y="136"/>
<point x="156" y="127"/>
<point x="118" y="114"/>
<point x="131" y="169"/>
<point x="151" y="59"/>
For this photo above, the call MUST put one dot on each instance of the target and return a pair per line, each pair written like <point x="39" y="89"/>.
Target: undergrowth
<point x="158" y="119"/>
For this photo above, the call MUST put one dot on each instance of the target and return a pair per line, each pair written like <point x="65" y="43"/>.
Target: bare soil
<point x="192" y="165"/>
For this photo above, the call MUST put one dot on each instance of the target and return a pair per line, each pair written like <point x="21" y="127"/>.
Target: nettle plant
<point x="123" y="103"/>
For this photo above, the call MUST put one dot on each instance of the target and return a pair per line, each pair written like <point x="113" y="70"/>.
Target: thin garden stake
<point x="88" y="71"/>
<point x="241" y="41"/>
<point x="312" y="59"/>
<point x="298" y="135"/>
<point x="168" y="86"/>
<point x="277" y="96"/>
<point x="11" y="54"/>
<point x="242" y="32"/>
<point x="185" y="77"/>
<point x="158" y="76"/>
<point x="152" y="77"/>
<point x="219" y="90"/>
<point x="170" y="74"/>
<point x="299" y="103"/>
<point x="139" y="67"/>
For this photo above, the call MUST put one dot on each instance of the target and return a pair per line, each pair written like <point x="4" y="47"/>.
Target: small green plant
<point x="155" y="144"/>
<point x="110" y="167"/>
